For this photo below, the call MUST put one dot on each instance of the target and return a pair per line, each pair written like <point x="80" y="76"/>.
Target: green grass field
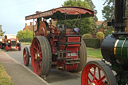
<point x="5" y="79"/>
<point x="94" y="53"/>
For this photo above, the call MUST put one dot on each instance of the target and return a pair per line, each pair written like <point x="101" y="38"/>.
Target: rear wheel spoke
<point x="38" y="67"/>
<point x="101" y="79"/>
<point x="35" y="48"/>
<point x="89" y="79"/>
<point x="99" y="72"/>
<point x="38" y="45"/>
<point x="100" y="75"/>
<point x="94" y="76"/>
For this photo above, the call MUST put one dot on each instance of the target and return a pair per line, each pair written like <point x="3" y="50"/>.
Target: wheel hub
<point x="37" y="55"/>
<point x="24" y="56"/>
<point x="93" y="83"/>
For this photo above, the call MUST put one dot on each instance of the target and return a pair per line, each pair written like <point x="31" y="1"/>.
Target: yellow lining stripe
<point x="127" y="52"/>
<point x="115" y="46"/>
<point x="127" y="26"/>
<point x="122" y="47"/>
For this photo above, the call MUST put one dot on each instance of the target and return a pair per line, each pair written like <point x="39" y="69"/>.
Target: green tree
<point x="108" y="10"/>
<point x="95" y="19"/>
<point x="24" y="34"/>
<point x="85" y="24"/>
<point x="127" y="8"/>
<point x="108" y="14"/>
<point x="1" y="32"/>
<point x="92" y="7"/>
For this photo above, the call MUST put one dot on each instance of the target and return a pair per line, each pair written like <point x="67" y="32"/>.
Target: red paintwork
<point x="53" y="47"/>
<point x="42" y="30"/>
<point x="10" y="47"/>
<point x="74" y="48"/>
<point x="73" y="39"/>
<point x="67" y="10"/>
<point x="86" y="79"/>
<point x="36" y="64"/>
<point x="73" y="10"/>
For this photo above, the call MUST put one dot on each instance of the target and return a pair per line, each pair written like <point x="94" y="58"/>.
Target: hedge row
<point x="25" y="40"/>
<point x="93" y="42"/>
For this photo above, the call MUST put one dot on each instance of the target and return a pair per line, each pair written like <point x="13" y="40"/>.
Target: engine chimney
<point x="119" y="15"/>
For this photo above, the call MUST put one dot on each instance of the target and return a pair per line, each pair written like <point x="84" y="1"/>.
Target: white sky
<point x="13" y="12"/>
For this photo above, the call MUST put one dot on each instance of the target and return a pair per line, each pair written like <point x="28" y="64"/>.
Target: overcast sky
<point x="13" y="12"/>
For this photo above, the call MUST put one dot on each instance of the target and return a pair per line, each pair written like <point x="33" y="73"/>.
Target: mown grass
<point x="94" y="53"/>
<point x="4" y="77"/>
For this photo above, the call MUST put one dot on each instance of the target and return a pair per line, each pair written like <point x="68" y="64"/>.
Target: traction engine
<point x="57" y="46"/>
<point x="113" y="68"/>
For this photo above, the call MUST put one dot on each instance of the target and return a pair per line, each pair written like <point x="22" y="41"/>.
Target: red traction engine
<point x="113" y="68"/>
<point x="57" y="46"/>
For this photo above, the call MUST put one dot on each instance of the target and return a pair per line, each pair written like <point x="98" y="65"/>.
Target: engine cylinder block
<point x="115" y="49"/>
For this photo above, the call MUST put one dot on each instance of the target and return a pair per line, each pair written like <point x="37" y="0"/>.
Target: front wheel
<point x="26" y="56"/>
<point x="97" y="73"/>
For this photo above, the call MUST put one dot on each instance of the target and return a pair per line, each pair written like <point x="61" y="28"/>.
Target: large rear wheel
<point x="82" y="55"/>
<point x="97" y="73"/>
<point x="41" y="56"/>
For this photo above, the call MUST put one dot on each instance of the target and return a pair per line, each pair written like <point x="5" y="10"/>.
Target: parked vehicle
<point x="10" y="42"/>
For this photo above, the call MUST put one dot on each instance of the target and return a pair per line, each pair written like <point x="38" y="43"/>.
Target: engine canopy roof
<point x="61" y="13"/>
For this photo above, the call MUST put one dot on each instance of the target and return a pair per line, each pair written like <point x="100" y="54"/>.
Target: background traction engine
<point x="57" y="46"/>
<point x="113" y="69"/>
